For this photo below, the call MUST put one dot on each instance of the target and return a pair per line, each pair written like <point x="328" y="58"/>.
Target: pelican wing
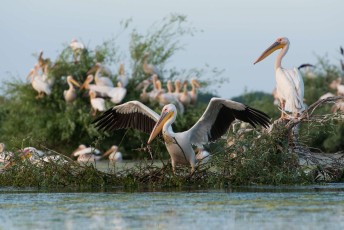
<point x="132" y="114"/>
<point x="219" y="115"/>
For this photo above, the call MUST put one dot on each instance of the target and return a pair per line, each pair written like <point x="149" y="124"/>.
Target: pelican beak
<point x="160" y="123"/>
<point x="197" y="84"/>
<point x="75" y="82"/>
<point x="84" y="85"/>
<point x="268" y="51"/>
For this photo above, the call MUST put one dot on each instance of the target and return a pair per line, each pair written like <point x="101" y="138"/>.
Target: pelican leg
<point x="282" y="103"/>
<point x="173" y="167"/>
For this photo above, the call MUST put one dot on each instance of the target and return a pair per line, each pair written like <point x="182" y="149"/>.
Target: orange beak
<point x="165" y="116"/>
<point x="270" y="50"/>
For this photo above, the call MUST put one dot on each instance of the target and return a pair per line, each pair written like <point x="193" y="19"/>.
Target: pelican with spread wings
<point x="214" y="122"/>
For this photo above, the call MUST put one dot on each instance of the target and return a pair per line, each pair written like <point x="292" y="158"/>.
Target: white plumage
<point x="98" y="104"/>
<point x="289" y="82"/>
<point x="70" y="94"/>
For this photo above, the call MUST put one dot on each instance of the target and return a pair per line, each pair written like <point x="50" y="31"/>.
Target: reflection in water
<point x="264" y="208"/>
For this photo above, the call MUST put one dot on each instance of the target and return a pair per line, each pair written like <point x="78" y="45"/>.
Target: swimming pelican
<point x="193" y="93"/>
<point x="122" y="77"/>
<point x="70" y="94"/>
<point x="289" y="83"/>
<point x="214" y="122"/>
<point x="114" y="155"/>
<point x="98" y="104"/>
<point x="149" y="68"/>
<point x="38" y="84"/>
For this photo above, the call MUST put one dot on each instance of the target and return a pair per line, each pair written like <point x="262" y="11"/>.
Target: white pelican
<point x="5" y="156"/>
<point x="114" y="155"/>
<point x="168" y="98"/>
<point x="149" y="68"/>
<point x="98" y="104"/>
<point x="185" y="97"/>
<point x="327" y="95"/>
<point x="122" y="77"/>
<point x="214" y="122"/>
<point x="193" y="93"/>
<point x="116" y="94"/>
<point x="144" y="97"/>
<point x="70" y="94"/>
<point x="169" y="86"/>
<point x="336" y="84"/>
<point x="98" y="78"/>
<point x="289" y="83"/>
<point x="77" y="48"/>
<point x="177" y="86"/>
<point x="38" y="84"/>
<point x="87" y="154"/>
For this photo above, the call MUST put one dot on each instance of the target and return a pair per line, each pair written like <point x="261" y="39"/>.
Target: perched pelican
<point x="289" y="83"/>
<point x="116" y="94"/>
<point x="185" y="97"/>
<point x="98" y="78"/>
<point x="156" y="89"/>
<point x="122" y="77"/>
<point x="326" y="95"/>
<point x="169" y="86"/>
<point x="4" y="155"/>
<point x="168" y="98"/>
<point x="98" y="104"/>
<point x="193" y="93"/>
<point x="177" y="86"/>
<point x="70" y="94"/>
<point x="114" y="155"/>
<point x="77" y="48"/>
<point x="43" y="62"/>
<point x="144" y="97"/>
<point x="203" y="156"/>
<point x="87" y="154"/>
<point x="336" y="84"/>
<point x="149" y="68"/>
<point x="214" y="122"/>
<point x="38" y="84"/>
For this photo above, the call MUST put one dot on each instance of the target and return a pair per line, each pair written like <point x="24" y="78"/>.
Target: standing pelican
<point x="38" y="84"/>
<point x="214" y="122"/>
<point x="98" y="104"/>
<point x="169" y="86"/>
<point x="70" y="94"/>
<point x="122" y="77"/>
<point x="114" y="155"/>
<point x="149" y="68"/>
<point x="185" y="97"/>
<point x="193" y="93"/>
<point x="289" y="82"/>
<point x="77" y="48"/>
<point x="99" y="79"/>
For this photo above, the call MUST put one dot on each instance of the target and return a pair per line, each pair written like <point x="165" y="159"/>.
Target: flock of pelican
<point x="82" y="154"/>
<point x="215" y="121"/>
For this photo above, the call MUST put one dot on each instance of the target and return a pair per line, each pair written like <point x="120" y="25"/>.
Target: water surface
<point x="302" y="207"/>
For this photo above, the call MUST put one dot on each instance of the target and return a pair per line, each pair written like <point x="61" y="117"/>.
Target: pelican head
<point x="169" y="113"/>
<point x="71" y="80"/>
<point x="278" y="44"/>
<point x="92" y="94"/>
<point x="195" y="83"/>
<point x="88" y="80"/>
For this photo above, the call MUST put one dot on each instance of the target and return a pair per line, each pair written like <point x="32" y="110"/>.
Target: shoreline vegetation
<point x="243" y="156"/>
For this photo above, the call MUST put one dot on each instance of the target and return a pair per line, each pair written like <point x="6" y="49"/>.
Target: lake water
<point x="299" y="207"/>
